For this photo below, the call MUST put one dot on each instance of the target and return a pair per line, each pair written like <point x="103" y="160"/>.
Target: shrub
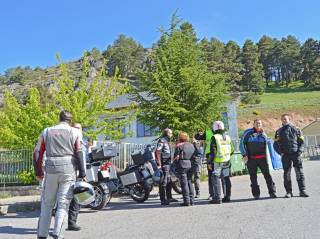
<point x="251" y="98"/>
<point x="27" y="177"/>
<point x="256" y="112"/>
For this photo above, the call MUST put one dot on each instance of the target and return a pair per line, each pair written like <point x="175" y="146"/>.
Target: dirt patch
<point x="271" y="120"/>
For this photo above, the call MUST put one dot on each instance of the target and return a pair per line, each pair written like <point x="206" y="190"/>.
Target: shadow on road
<point x="17" y="231"/>
<point x="150" y="204"/>
<point x="33" y="214"/>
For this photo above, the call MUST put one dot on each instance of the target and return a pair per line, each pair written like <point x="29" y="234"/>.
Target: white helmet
<point x="218" y="125"/>
<point x="83" y="193"/>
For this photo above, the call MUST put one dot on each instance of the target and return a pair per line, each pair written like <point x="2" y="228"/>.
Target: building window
<point x="144" y="130"/>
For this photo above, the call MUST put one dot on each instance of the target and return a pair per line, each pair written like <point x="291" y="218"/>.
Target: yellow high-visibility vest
<point x="224" y="148"/>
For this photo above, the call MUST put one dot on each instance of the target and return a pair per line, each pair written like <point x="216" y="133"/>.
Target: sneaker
<point x="173" y="200"/>
<point x="273" y="195"/>
<point x="209" y="198"/>
<point x="226" y="199"/>
<point x="256" y="197"/>
<point x="74" y="227"/>
<point x="304" y="194"/>
<point x="288" y="195"/>
<point x="197" y="195"/>
<point x="215" y="201"/>
<point x="184" y="204"/>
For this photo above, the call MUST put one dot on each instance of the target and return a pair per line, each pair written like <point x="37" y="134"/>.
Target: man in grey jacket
<point x="62" y="147"/>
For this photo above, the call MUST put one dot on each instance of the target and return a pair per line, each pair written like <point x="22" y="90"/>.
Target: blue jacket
<point x="253" y="144"/>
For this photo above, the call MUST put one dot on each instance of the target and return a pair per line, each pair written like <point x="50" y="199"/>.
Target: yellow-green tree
<point x="88" y="98"/>
<point x="21" y="124"/>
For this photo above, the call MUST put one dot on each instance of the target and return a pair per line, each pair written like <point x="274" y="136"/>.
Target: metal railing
<point x="13" y="162"/>
<point x="311" y="152"/>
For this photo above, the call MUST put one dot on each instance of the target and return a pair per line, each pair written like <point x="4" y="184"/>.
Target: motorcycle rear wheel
<point x="101" y="199"/>
<point x="140" y="192"/>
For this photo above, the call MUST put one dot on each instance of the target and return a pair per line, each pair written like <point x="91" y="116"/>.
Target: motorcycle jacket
<point x="253" y="144"/>
<point x="289" y="140"/>
<point x="62" y="146"/>
<point x="184" y="152"/>
<point x="164" y="148"/>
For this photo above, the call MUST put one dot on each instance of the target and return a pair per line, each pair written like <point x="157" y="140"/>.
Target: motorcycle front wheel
<point x="140" y="192"/>
<point x="101" y="198"/>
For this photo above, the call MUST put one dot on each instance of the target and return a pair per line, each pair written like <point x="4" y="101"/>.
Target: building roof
<point x="312" y="128"/>
<point x="120" y="102"/>
<point x="126" y="100"/>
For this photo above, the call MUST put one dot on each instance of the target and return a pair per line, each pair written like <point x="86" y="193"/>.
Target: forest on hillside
<point x="252" y="67"/>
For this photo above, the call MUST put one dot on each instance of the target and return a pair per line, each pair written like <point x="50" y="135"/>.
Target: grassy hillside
<point x="302" y="104"/>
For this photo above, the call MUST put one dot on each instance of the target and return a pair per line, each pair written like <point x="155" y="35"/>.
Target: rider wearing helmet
<point x="62" y="147"/>
<point x="221" y="149"/>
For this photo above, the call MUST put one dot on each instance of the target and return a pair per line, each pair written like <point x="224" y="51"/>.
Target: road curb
<point x="16" y="204"/>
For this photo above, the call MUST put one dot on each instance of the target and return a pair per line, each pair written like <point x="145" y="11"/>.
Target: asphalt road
<point x="243" y="218"/>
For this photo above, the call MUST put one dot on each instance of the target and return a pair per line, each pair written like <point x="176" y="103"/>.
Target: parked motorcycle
<point x="135" y="180"/>
<point x="149" y="155"/>
<point x="176" y="186"/>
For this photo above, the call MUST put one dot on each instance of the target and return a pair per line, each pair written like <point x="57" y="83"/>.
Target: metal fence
<point x="312" y="140"/>
<point x="15" y="161"/>
<point x="312" y="152"/>
<point x="12" y="162"/>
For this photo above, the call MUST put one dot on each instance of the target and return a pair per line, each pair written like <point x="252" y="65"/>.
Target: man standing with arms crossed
<point x="289" y="143"/>
<point x="64" y="156"/>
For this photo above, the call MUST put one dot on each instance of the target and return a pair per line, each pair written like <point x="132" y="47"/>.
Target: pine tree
<point x="178" y="90"/>
<point x="266" y="47"/>
<point x="252" y="69"/>
<point x="232" y="66"/>
<point x="310" y="58"/>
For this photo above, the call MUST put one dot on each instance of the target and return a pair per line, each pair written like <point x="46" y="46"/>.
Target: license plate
<point x="105" y="174"/>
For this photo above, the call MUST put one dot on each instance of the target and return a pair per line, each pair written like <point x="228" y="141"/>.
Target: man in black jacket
<point x="163" y="159"/>
<point x="289" y="143"/>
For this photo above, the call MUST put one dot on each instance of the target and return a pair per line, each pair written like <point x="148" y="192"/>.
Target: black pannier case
<point x="106" y="151"/>
<point x="138" y="158"/>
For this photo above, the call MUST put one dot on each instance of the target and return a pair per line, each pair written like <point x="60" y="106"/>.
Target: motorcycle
<point x="150" y="156"/>
<point x="135" y="180"/>
<point x="176" y="186"/>
<point x="95" y="178"/>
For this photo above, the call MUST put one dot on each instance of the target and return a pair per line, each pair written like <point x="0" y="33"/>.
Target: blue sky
<point x="33" y="31"/>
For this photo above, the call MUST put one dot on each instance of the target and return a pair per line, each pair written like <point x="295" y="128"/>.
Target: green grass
<point x="276" y="99"/>
<point x="297" y="98"/>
